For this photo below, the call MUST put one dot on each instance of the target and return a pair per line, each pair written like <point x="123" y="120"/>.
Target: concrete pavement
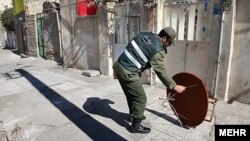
<point x="41" y="101"/>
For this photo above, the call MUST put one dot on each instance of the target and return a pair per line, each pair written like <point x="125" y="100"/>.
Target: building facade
<point x="5" y="4"/>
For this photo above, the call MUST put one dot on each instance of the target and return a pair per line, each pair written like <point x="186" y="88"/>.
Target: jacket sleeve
<point x="157" y="62"/>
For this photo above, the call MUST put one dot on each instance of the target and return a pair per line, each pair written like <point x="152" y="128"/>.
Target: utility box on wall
<point x="86" y="7"/>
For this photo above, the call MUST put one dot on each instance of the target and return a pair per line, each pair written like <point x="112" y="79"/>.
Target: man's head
<point x="167" y="36"/>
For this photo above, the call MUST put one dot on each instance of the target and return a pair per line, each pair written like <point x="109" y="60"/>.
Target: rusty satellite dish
<point x="191" y="106"/>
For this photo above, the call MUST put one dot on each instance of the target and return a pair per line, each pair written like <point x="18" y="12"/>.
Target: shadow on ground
<point x="13" y="50"/>
<point x="166" y="117"/>
<point x="97" y="106"/>
<point x="240" y="96"/>
<point x="90" y="126"/>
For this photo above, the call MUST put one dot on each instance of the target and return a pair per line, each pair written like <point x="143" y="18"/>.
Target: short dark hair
<point x="163" y="33"/>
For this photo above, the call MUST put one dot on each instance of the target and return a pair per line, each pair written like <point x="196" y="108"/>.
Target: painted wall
<point x="67" y="22"/>
<point x="104" y="43"/>
<point x="79" y="44"/>
<point x="19" y="6"/>
<point x="85" y="40"/>
<point x="85" y="44"/>
<point x="239" y="82"/>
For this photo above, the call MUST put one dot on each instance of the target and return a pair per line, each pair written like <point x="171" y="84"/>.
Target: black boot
<point x="136" y="127"/>
<point x="130" y="118"/>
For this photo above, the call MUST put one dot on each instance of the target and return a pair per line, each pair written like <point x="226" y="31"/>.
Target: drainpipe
<point x="219" y="53"/>
<point x="231" y="50"/>
<point x="230" y="54"/>
<point x="59" y="34"/>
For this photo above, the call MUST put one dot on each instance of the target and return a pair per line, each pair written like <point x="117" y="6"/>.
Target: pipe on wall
<point x="222" y="36"/>
<point x="219" y="54"/>
<point x="231" y="50"/>
<point x="59" y="34"/>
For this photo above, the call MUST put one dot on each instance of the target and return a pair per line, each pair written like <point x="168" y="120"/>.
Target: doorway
<point x="197" y="25"/>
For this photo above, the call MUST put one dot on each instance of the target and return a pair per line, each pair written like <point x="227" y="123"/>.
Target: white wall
<point x="85" y="39"/>
<point x="239" y="82"/>
<point x="234" y="67"/>
<point x="5" y="4"/>
<point x="3" y="38"/>
<point x="36" y="6"/>
<point x="225" y="53"/>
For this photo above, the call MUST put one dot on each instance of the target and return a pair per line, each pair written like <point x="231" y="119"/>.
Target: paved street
<point x="42" y="101"/>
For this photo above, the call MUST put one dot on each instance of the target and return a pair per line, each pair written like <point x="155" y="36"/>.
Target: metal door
<point x="198" y="31"/>
<point x="127" y="25"/>
<point x="40" y="27"/>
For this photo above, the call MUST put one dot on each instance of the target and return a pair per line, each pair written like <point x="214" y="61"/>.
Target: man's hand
<point x="179" y="88"/>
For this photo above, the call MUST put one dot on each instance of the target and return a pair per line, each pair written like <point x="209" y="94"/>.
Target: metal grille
<point x="127" y="22"/>
<point x="190" y="19"/>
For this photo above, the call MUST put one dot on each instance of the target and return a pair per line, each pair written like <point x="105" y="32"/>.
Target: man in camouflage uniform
<point x="145" y="50"/>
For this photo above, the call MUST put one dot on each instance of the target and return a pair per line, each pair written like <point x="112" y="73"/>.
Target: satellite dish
<point x="191" y="106"/>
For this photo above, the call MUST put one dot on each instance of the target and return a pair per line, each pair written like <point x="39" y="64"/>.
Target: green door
<point x="41" y="46"/>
